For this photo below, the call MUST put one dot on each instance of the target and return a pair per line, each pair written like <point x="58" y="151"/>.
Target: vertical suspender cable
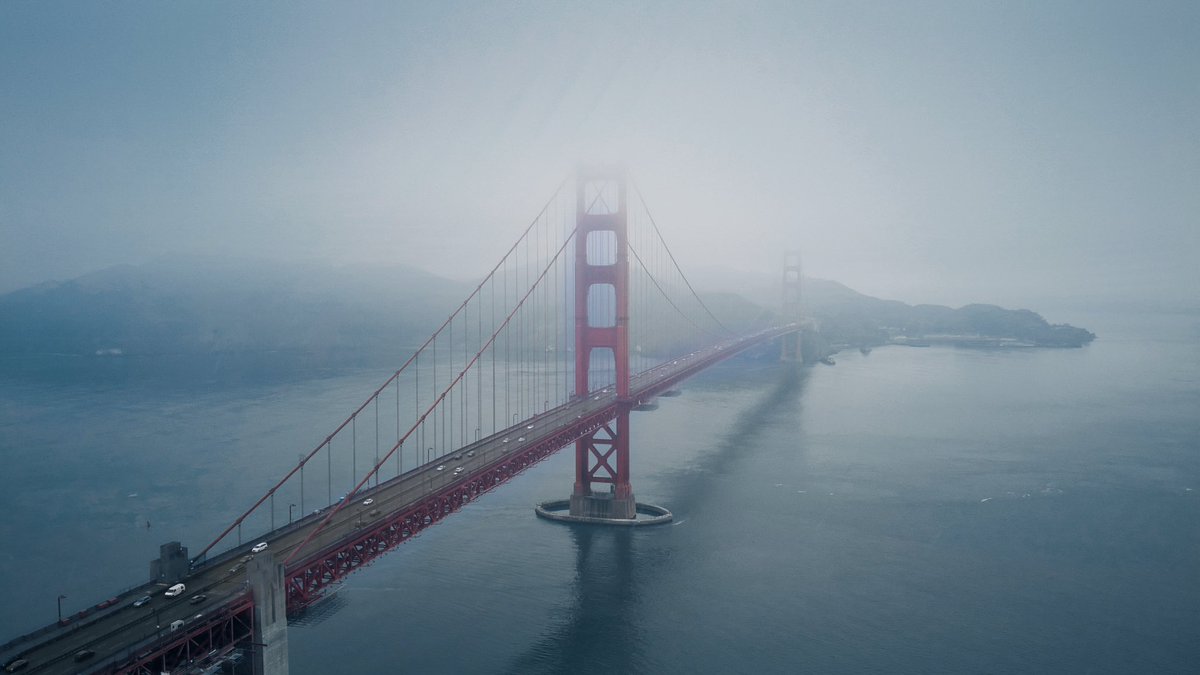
<point x="376" y="438"/>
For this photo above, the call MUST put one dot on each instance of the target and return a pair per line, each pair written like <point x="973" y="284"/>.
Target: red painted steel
<point x="428" y="411"/>
<point x="601" y="439"/>
<point x="310" y="577"/>
<point x="592" y="453"/>
<point x="307" y="579"/>
<point x="375" y="395"/>
<point x="790" y="344"/>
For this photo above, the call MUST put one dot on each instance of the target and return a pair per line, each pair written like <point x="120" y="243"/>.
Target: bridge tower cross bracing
<point x="602" y="323"/>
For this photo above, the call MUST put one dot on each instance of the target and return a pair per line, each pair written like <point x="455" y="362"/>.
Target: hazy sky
<point x="926" y="151"/>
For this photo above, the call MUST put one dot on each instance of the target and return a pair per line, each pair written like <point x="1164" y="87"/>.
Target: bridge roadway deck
<point x="121" y="631"/>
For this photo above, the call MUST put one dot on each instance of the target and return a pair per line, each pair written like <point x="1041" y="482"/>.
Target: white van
<point x="175" y="590"/>
<point x="177" y="624"/>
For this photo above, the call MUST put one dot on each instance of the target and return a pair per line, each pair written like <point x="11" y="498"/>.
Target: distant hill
<point x="205" y="306"/>
<point x="843" y="315"/>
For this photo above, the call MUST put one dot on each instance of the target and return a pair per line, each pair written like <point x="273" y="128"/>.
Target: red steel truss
<point x="219" y="632"/>
<point x="307" y="579"/>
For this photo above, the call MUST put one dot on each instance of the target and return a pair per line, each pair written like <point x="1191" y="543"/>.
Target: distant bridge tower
<point x="602" y="323"/>
<point x="790" y="343"/>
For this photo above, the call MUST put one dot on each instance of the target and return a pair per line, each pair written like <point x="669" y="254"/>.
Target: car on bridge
<point x="175" y="590"/>
<point x="197" y="599"/>
<point x="259" y="547"/>
<point x="141" y="601"/>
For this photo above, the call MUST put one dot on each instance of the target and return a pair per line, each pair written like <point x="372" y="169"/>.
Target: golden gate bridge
<point x="585" y="318"/>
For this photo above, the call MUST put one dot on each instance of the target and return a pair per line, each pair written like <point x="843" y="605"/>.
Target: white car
<point x="368" y="502"/>
<point x="441" y="467"/>
<point x="458" y="471"/>
<point x="259" y="547"/>
<point x="175" y="590"/>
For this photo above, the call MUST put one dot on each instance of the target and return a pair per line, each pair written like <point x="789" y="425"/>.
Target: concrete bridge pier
<point x="606" y="506"/>
<point x="270" y="615"/>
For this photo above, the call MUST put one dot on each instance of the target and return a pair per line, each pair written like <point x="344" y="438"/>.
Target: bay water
<point x="910" y="510"/>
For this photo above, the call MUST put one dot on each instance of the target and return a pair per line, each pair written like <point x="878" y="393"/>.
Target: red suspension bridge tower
<point x="790" y="343"/>
<point x="602" y="323"/>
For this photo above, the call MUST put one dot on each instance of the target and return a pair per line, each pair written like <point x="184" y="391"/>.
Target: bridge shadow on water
<point x="318" y="613"/>
<point x="598" y="633"/>
<point x="690" y="485"/>
<point x="601" y="631"/>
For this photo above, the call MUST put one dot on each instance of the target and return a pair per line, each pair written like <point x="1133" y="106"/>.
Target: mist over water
<point x="910" y="510"/>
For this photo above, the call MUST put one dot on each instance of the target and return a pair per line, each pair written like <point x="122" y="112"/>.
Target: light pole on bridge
<point x="60" y="599"/>
<point x="290" y="507"/>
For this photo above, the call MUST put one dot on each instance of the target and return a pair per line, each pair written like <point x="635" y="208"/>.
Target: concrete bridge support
<point x="270" y="615"/>
<point x="171" y="564"/>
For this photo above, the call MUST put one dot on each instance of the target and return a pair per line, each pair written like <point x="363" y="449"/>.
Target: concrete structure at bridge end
<point x="171" y="564"/>
<point x="270" y="615"/>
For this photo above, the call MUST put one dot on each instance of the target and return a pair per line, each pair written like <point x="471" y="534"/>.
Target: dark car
<point x="84" y="654"/>
<point x="141" y="601"/>
<point x="16" y="665"/>
<point x="197" y="599"/>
